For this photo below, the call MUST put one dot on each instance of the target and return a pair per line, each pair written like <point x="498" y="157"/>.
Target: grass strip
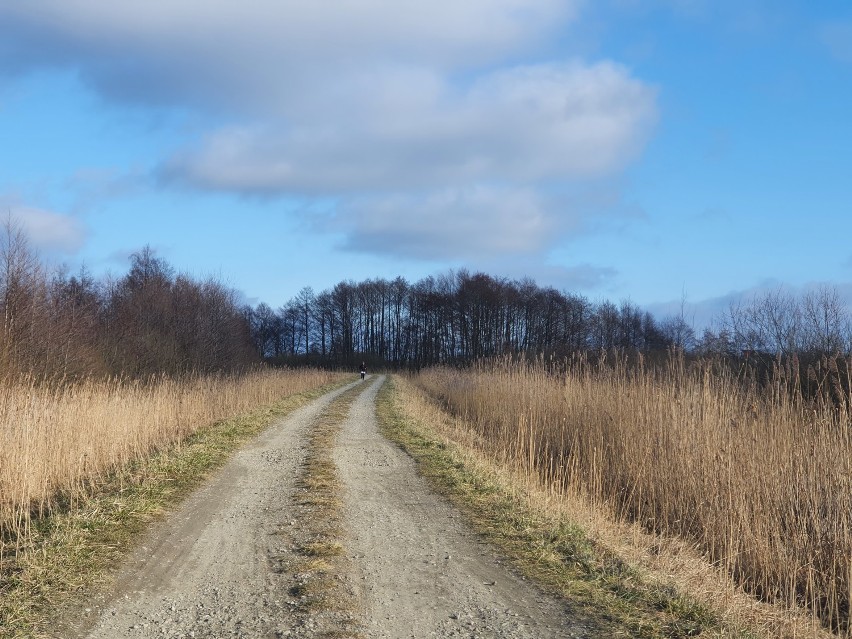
<point x="609" y="594"/>
<point x="70" y="552"/>
<point x="319" y="558"/>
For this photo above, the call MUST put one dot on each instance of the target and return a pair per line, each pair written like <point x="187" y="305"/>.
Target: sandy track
<point x="421" y="572"/>
<point x="211" y="570"/>
<point x="208" y="571"/>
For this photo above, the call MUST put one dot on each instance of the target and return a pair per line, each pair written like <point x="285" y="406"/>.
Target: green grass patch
<point x="609" y="596"/>
<point x="70" y="552"/>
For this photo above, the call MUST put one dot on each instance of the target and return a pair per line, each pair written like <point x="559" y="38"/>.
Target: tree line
<point x="152" y="320"/>
<point x="456" y="316"/>
<point x="461" y="316"/>
<point x="814" y="323"/>
<point x="149" y="321"/>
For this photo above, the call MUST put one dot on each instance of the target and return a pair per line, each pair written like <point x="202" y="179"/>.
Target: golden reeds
<point x="760" y="479"/>
<point x="57" y="441"/>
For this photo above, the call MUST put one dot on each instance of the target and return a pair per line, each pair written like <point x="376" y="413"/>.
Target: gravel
<point x="422" y="572"/>
<point x="215" y="567"/>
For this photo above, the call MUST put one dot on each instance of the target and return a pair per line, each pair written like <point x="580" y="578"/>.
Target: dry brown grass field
<point x="758" y="480"/>
<point x="59" y="441"/>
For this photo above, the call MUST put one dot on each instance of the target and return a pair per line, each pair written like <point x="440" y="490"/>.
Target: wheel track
<point x="213" y="569"/>
<point x="207" y="571"/>
<point x="422" y="572"/>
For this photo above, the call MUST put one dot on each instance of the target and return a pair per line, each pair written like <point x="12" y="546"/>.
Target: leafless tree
<point x="826" y="322"/>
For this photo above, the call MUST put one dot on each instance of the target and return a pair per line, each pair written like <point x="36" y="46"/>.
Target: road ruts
<point x="208" y="571"/>
<point x="421" y="572"/>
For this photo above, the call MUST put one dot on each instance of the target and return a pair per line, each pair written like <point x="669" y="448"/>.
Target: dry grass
<point x="755" y="485"/>
<point x="68" y="554"/>
<point x="608" y="596"/>
<point x="319" y="564"/>
<point x="60" y="443"/>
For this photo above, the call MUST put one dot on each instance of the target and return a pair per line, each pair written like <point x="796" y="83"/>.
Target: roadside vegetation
<point x="726" y="468"/>
<point x="116" y="396"/>
<point x="750" y="480"/>
<point x="167" y="437"/>
<point x="60" y="443"/>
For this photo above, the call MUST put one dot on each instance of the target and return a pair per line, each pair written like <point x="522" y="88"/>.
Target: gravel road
<point x="421" y="572"/>
<point x="210" y="570"/>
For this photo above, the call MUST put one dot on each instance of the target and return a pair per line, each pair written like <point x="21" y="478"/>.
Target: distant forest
<point x="461" y="316"/>
<point x="453" y="317"/>
<point x="155" y="321"/>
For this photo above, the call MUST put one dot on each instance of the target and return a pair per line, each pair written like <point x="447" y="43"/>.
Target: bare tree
<point x="826" y="322"/>
<point x="305" y="300"/>
<point x="22" y="291"/>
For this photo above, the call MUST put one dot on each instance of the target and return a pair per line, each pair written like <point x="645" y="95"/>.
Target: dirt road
<point x="422" y="573"/>
<point x="210" y="569"/>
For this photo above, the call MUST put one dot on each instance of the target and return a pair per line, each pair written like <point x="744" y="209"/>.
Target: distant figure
<point x="363" y="370"/>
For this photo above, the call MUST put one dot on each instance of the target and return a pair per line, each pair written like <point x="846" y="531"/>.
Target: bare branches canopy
<point x="147" y="322"/>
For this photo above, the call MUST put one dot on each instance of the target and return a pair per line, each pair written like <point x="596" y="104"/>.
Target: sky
<point x="667" y="152"/>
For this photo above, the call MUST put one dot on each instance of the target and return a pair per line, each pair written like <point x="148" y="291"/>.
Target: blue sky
<point x="620" y="149"/>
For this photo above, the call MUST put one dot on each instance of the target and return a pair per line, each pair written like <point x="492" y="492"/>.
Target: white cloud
<point x="294" y="25"/>
<point x="525" y="124"/>
<point x="345" y="94"/>
<point x="259" y="52"/>
<point x="439" y="125"/>
<point x="473" y="223"/>
<point x="481" y="226"/>
<point x="50" y="231"/>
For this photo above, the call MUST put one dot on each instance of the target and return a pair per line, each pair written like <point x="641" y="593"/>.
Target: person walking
<point x="363" y="370"/>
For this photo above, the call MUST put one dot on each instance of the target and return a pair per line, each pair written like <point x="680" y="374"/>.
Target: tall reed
<point x="760" y="478"/>
<point x="57" y="441"/>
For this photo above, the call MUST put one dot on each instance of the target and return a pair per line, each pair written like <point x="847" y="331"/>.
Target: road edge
<point x="75" y="553"/>
<point x="612" y="597"/>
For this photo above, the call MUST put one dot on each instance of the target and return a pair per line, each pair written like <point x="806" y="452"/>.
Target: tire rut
<point x="213" y="569"/>
<point x="209" y="570"/>
<point x="421" y="571"/>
